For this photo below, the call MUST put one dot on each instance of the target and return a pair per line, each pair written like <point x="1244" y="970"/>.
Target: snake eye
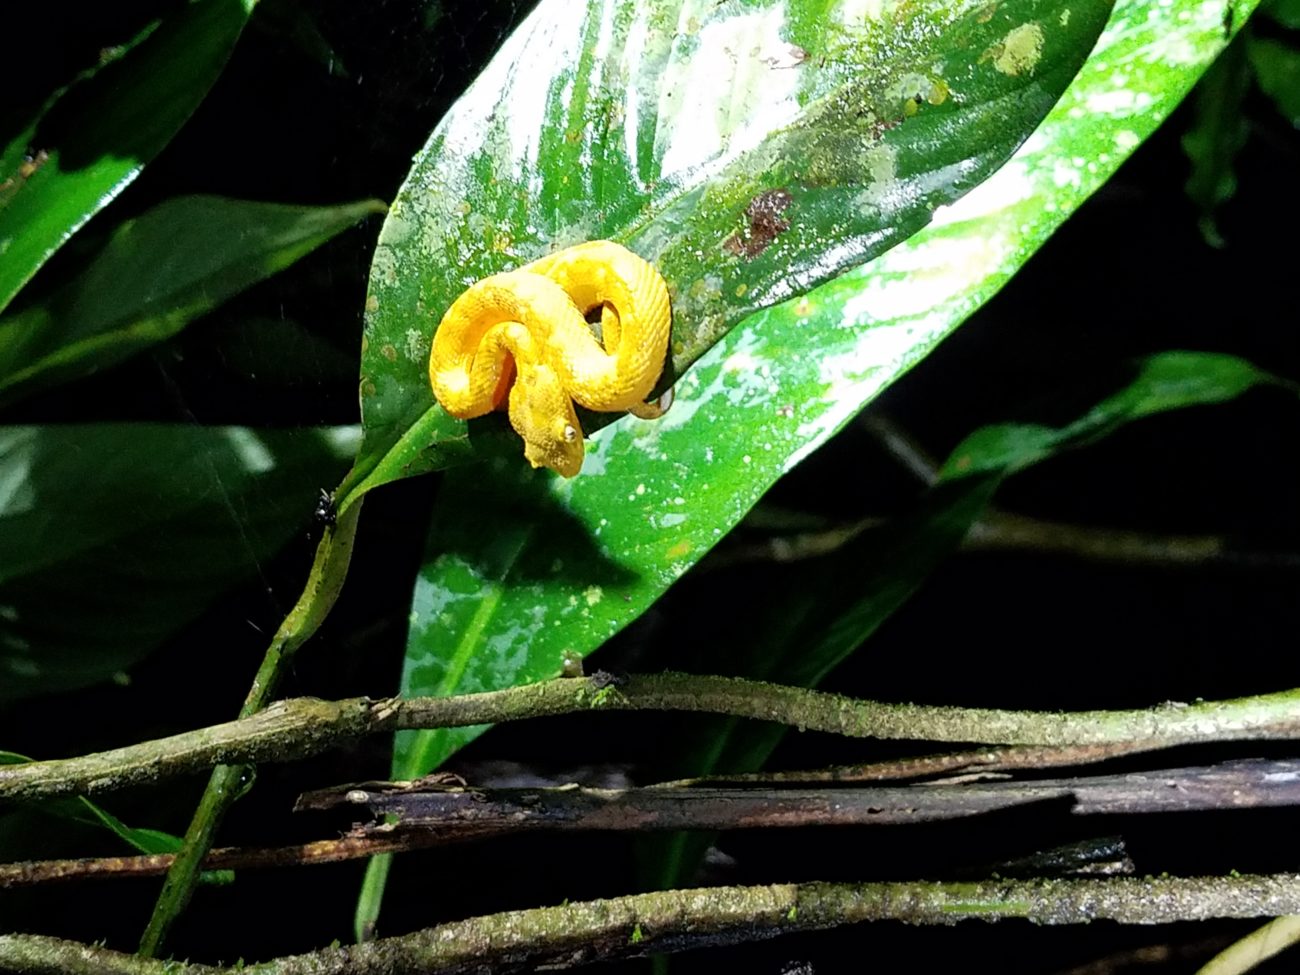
<point x="570" y="434"/>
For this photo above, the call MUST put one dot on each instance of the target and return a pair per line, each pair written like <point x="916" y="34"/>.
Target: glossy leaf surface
<point x="156" y="274"/>
<point x="114" y="535"/>
<point x="751" y="151"/>
<point x="93" y="139"/>
<point x="593" y="553"/>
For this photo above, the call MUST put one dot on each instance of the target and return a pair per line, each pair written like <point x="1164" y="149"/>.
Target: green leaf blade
<point x="82" y="810"/>
<point x="112" y="536"/>
<point x="94" y="139"/>
<point x="750" y="152"/>
<point x="1168" y="381"/>
<point x="655" y="496"/>
<point x="156" y="274"/>
<point x="776" y="387"/>
<point x="1285" y="12"/>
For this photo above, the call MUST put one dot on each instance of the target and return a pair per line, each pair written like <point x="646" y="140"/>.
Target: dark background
<point x="1128" y="275"/>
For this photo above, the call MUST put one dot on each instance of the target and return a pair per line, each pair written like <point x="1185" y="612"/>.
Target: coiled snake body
<point x="522" y="339"/>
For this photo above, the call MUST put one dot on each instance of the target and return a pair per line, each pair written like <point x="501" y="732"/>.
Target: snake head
<point x="542" y="413"/>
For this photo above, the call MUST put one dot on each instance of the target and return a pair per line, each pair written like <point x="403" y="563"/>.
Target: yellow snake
<point x="530" y="326"/>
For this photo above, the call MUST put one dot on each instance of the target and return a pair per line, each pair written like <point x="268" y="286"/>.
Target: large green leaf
<point x="114" y="535"/>
<point x="155" y="274"/>
<point x="94" y="138"/>
<point x="577" y="560"/>
<point x="655" y="496"/>
<point x="751" y="150"/>
<point x="673" y="125"/>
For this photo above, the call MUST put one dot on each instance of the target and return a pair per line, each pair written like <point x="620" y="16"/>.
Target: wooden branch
<point x="415" y="815"/>
<point x="467" y="812"/>
<point x="33" y="873"/>
<point x="1001" y="531"/>
<point x="678" y="920"/>
<point x="305" y="726"/>
<point x="982" y="762"/>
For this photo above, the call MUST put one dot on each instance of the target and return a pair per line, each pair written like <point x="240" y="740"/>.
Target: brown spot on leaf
<point x="766" y="223"/>
<point x="31" y="164"/>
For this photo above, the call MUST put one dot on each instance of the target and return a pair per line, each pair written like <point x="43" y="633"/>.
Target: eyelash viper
<point x="529" y="326"/>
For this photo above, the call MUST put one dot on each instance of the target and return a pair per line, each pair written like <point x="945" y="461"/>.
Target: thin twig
<point x="44" y="872"/>
<point x="980" y="763"/>
<point x="226" y="783"/>
<point x="306" y="726"/>
<point x="1001" y="531"/>
<point x="902" y="446"/>
<point x="677" y="920"/>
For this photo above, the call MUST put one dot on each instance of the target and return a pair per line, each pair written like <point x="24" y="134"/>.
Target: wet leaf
<point x="92" y="139"/>
<point x="156" y="274"/>
<point x="114" y="535"/>
<point x="749" y="152"/>
<point x="656" y="495"/>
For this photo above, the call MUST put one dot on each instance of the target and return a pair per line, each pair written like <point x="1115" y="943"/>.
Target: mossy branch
<point x="302" y="727"/>
<point x="677" y="920"/>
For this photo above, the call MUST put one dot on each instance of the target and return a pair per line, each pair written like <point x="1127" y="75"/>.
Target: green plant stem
<point x="1255" y="948"/>
<point x="227" y="781"/>
<point x="676" y="920"/>
<point x="302" y="727"/>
